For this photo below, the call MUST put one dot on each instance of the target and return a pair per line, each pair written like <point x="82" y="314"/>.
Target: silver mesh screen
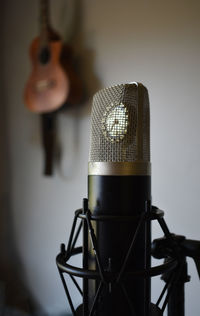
<point x="120" y="124"/>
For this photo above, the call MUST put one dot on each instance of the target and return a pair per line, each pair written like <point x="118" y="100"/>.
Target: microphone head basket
<point x="120" y="124"/>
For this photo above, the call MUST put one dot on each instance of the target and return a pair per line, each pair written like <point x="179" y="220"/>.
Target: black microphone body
<point x="120" y="196"/>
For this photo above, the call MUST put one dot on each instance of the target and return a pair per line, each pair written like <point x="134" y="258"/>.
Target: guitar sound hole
<point x="44" y="56"/>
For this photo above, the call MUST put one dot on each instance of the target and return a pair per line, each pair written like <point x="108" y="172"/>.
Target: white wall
<point x="155" y="42"/>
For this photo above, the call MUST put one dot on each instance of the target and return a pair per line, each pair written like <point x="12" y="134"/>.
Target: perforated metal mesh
<point x="120" y="124"/>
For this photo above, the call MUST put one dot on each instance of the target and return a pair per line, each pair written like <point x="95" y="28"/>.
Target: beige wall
<point x="155" y="42"/>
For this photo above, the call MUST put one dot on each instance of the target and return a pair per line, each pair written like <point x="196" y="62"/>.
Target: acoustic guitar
<point x="48" y="85"/>
<point x="53" y="83"/>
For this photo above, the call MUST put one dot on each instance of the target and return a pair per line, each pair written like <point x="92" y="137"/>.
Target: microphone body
<point x="119" y="186"/>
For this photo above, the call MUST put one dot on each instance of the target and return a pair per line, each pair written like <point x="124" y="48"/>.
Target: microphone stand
<point x="174" y="249"/>
<point x="177" y="247"/>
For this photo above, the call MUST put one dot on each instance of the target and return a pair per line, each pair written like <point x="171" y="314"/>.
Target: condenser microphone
<point x="119" y="196"/>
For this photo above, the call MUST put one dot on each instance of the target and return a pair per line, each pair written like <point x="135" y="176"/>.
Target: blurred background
<point x="151" y="41"/>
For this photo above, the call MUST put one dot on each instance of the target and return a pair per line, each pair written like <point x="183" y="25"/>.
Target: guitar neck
<point x="44" y="22"/>
<point x="48" y="121"/>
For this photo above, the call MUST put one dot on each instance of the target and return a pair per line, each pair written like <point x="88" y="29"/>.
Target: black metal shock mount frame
<point x="174" y="249"/>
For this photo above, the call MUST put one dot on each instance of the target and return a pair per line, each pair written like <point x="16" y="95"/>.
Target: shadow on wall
<point x="83" y="61"/>
<point x="84" y="57"/>
<point x="15" y="298"/>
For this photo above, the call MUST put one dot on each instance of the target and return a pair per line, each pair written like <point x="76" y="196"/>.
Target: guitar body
<point x="48" y="85"/>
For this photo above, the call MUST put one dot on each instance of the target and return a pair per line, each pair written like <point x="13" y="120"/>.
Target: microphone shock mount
<point x="172" y="248"/>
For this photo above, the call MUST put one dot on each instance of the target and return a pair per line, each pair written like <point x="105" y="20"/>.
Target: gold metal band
<point x="136" y="168"/>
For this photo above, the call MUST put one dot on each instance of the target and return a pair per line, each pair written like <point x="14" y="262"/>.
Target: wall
<point x="154" y="42"/>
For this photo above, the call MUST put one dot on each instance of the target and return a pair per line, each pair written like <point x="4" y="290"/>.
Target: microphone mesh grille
<point x="120" y="124"/>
